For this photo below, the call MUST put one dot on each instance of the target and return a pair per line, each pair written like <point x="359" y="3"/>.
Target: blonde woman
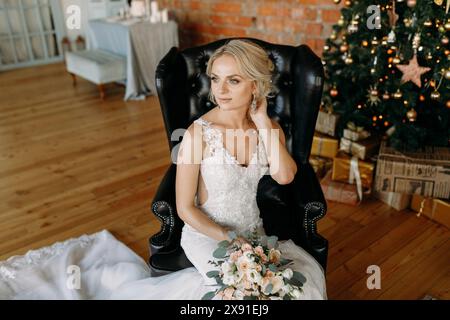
<point x="224" y="154"/>
<point x="222" y="157"/>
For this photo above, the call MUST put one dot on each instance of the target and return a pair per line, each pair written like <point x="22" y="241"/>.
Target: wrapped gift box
<point x="339" y="191"/>
<point x="398" y="201"/>
<point x="426" y="172"/>
<point x="324" y="146"/>
<point x="362" y="149"/>
<point x="356" y="135"/>
<point x="326" y="123"/>
<point x="320" y="165"/>
<point x="435" y="209"/>
<point x="341" y="170"/>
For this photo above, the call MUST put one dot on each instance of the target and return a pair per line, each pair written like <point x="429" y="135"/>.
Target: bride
<point x="221" y="159"/>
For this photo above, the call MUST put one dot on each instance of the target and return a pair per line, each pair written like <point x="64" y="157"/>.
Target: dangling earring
<point x="253" y="106"/>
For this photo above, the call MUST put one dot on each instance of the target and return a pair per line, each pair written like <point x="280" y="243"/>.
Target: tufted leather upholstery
<point x="288" y="211"/>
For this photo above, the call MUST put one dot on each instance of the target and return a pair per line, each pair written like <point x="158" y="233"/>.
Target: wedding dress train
<point x="99" y="266"/>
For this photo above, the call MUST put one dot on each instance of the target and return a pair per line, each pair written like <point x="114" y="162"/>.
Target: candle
<point x="165" y="16"/>
<point x="154" y="6"/>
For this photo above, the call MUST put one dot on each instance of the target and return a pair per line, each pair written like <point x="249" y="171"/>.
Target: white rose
<point x="287" y="273"/>
<point x="277" y="283"/>
<point x="228" y="279"/>
<point x="226" y="267"/>
<point x="238" y="294"/>
<point x="296" y="294"/>
<point x="254" y="276"/>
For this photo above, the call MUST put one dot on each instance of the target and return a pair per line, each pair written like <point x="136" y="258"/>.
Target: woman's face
<point x="230" y="89"/>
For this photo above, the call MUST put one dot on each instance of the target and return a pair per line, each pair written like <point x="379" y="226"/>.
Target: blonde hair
<point x="253" y="62"/>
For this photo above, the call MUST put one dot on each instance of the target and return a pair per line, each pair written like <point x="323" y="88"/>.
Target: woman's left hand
<point x="260" y="113"/>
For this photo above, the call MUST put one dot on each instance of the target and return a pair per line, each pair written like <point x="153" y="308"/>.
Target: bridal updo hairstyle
<point x="252" y="61"/>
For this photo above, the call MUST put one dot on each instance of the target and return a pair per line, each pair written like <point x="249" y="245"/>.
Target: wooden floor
<point x="72" y="165"/>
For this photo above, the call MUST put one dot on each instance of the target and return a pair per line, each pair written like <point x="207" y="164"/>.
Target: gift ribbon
<point x="355" y="175"/>
<point x="319" y="147"/>
<point x="353" y="127"/>
<point x="433" y="208"/>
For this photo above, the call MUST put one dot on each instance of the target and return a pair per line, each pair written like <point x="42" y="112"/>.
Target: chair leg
<point x="101" y="88"/>
<point x="74" y="79"/>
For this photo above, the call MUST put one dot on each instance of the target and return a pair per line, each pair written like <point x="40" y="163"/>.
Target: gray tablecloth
<point x="143" y="43"/>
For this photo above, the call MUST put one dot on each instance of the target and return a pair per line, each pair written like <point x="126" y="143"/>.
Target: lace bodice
<point x="231" y="187"/>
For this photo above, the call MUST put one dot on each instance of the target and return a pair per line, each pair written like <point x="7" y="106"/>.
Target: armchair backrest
<point x="183" y="88"/>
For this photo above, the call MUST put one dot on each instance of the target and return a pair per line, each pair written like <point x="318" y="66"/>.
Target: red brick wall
<point x="291" y="22"/>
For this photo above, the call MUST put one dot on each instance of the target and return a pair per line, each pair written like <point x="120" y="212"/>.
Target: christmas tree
<point x="387" y="69"/>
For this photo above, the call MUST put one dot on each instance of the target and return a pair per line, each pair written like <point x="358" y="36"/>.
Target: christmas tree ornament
<point x="343" y="47"/>
<point x="411" y="3"/>
<point x="337" y="1"/>
<point x="444" y="40"/>
<point x="391" y="37"/>
<point x="407" y="22"/>
<point x="348" y="59"/>
<point x="372" y="70"/>
<point x="429" y="56"/>
<point x="333" y="35"/>
<point x="326" y="47"/>
<point x="348" y="3"/>
<point x="372" y="96"/>
<point x="334" y="92"/>
<point x="374" y="41"/>
<point x="447" y="25"/>
<point x="396" y="60"/>
<point x="447" y="74"/>
<point x="411" y="115"/>
<point x="435" y="95"/>
<point x="428" y="23"/>
<point x="386" y="95"/>
<point x="448" y="104"/>
<point x="365" y="43"/>
<point x="422" y="97"/>
<point x="439" y="2"/>
<point x="416" y="41"/>
<point x="341" y="21"/>
<point x="398" y="94"/>
<point x="353" y="27"/>
<point x="412" y="71"/>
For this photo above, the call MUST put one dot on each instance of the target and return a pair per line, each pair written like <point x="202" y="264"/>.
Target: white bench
<point x="97" y="66"/>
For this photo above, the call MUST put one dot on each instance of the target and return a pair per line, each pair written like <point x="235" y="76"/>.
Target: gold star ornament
<point x="412" y="71"/>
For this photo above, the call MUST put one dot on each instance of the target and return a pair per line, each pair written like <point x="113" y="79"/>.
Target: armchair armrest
<point x="309" y="199"/>
<point x="164" y="208"/>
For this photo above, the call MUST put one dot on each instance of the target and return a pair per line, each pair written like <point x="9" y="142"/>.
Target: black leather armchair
<point x="288" y="211"/>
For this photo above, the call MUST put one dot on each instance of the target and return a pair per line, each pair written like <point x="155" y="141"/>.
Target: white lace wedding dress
<point x="99" y="266"/>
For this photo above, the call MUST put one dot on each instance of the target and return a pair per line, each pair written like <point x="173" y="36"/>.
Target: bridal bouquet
<point x="252" y="268"/>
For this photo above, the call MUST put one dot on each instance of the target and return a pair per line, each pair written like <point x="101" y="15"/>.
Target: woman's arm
<point x="282" y="166"/>
<point x="188" y="169"/>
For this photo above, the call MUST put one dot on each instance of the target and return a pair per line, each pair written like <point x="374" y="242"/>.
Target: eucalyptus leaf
<point x="272" y="242"/>
<point x="300" y="277"/>
<point x="212" y="274"/>
<point x="272" y="267"/>
<point x="224" y="244"/>
<point x="284" y="261"/>
<point x="220" y="253"/>
<point x="209" y="295"/>
<point x="232" y="235"/>
<point x="269" y="288"/>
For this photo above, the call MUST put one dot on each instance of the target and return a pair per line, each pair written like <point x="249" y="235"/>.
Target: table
<point x="143" y="44"/>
